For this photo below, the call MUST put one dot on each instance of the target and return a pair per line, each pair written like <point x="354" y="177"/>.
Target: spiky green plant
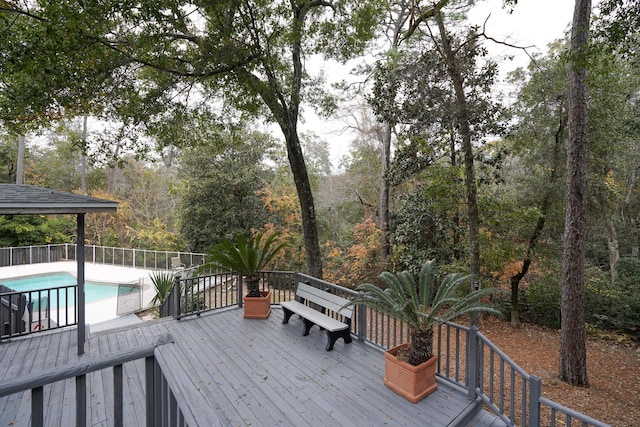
<point x="246" y="257"/>
<point x="162" y="282"/>
<point x="423" y="305"/>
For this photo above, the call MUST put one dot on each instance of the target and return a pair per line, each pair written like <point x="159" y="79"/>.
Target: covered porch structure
<point x="20" y="199"/>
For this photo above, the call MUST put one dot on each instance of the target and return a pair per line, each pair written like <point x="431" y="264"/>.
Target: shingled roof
<point x="29" y="199"/>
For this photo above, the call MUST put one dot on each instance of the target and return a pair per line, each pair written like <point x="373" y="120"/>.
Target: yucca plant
<point x="423" y="304"/>
<point x="162" y="282"/>
<point x="247" y="256"/>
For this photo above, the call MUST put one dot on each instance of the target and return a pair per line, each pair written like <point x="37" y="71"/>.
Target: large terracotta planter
<point x="257" y="307"/>
<point x="414" y="383"/>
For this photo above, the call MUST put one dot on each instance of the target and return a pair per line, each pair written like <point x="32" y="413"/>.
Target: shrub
<point x="541" y="301"/>
<point x="614" y="305"/>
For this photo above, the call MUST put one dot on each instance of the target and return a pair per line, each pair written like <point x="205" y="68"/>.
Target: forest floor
<point x="613" y="370"/>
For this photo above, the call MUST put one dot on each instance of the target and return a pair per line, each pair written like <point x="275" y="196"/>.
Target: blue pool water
<point x="93" y="291"/>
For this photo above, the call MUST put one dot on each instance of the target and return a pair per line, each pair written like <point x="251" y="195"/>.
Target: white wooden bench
<point x="306" y="294"/>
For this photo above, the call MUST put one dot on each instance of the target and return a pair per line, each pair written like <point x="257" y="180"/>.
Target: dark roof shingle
<point x="29" y="199"/>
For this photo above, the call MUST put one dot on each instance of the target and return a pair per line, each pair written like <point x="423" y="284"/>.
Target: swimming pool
<point x="93" y="291"/>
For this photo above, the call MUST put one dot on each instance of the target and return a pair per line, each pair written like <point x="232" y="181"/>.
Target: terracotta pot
<point x="257" y="307"/>
<point x="414" y="383"/>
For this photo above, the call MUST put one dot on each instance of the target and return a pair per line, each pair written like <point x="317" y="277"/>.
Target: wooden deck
<point x="237" y="371"/>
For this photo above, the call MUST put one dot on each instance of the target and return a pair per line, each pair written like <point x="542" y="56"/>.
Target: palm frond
<point x="422" y="304"/>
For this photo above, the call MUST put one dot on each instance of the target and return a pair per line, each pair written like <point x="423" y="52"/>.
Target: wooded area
<point x="168" y="107"/>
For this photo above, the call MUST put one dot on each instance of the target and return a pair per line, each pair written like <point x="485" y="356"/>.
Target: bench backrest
<point x="324" y="299"/>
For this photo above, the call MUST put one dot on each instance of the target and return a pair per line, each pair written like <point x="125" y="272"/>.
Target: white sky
<point x="532" y="23"/>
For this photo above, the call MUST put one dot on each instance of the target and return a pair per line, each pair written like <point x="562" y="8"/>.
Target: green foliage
<point x="424" y="225"/>
<point x="542" y="301"/>
<point x="247" y="256"/>
<point x="220" y="192"/>
<point x="614" y="306"/>
<point x="26" y="230"/>
<point x="423" y="304"/>
<point x="162" y="283"/>
<point x="608" y="305"/>
<point x="8" y="158"/>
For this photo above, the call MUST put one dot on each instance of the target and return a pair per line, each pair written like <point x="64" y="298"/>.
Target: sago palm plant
<point x="246" y="257"/>
<point x="162" y="282"/>
<point x="423" y="304"/>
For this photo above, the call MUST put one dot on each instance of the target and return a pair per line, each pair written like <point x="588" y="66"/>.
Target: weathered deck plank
<point x="249" y="372"/>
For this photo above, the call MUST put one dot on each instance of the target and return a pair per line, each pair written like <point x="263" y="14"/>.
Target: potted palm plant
<point x="410" y="369"/>
<point x="247" y="257"/>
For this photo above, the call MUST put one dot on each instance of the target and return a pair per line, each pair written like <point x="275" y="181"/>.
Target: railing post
<point x="149" y="364"/>
<point x="362" y="322"/>
<point x="117" y="396"/>
<point x="472" y="362"/>
<point x="37" y="407"/>
<point x="175" y="311"/>
<point x="239" y="291"/>
<point x="535" y="387"/>
<point x="81" y="400"/>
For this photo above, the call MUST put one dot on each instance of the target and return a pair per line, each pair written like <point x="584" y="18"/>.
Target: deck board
<point x="232" y="371"/>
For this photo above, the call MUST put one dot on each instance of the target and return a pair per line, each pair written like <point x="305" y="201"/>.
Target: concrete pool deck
<point x="96" y="312"/>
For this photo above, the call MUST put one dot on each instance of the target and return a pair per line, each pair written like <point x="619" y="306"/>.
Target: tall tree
<point x="398" y="20"/>
<point x="221" y="188"/>
<point x="150" y="62"/>
<point x="572" y="367"/>
<point x="537" y="142"/>
<point x="461" y="89"/>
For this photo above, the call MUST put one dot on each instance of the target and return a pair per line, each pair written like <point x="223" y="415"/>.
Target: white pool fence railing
<point x="136" y="258"/>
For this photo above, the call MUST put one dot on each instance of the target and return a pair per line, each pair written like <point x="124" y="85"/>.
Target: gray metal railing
<point x="466" y="357"/>
<point x="28" y="312"/>
<point x="137" y="258"/>
<point x="199" y="294"/>
<point x="163" y="406"/>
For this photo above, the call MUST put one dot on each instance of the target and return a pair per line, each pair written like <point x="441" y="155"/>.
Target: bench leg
<point x="287" y="315"/>
<point x="307" y="326"/>
<point x="332" y="337"/>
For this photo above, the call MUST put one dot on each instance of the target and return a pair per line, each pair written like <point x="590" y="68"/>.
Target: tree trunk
<point x="457" y="234"/>
<point x="403" y="14"/>
<point x="288" y="120"/>
<point x="573" y="353"/>
<point x="385" y="240"/>
<point x="307" y="209"/>
<point x="614" y="253"/>
<point x="421" y="348"/>
<point x="462" y="118"/>
<point x="633" y="220"/>
<point x="20" y="162"/>
<point x="635" y="238"/>
<point x="544" y="211"/>
<point x="83" y="158"/>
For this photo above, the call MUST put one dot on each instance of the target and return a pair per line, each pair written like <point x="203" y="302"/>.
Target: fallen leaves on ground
<point x="613" y="370"/>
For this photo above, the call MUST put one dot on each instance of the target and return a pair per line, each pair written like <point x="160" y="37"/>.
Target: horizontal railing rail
<point x="136" y="258"/>
<point x="163" y="406"/>
<point x="559" y="415"/>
